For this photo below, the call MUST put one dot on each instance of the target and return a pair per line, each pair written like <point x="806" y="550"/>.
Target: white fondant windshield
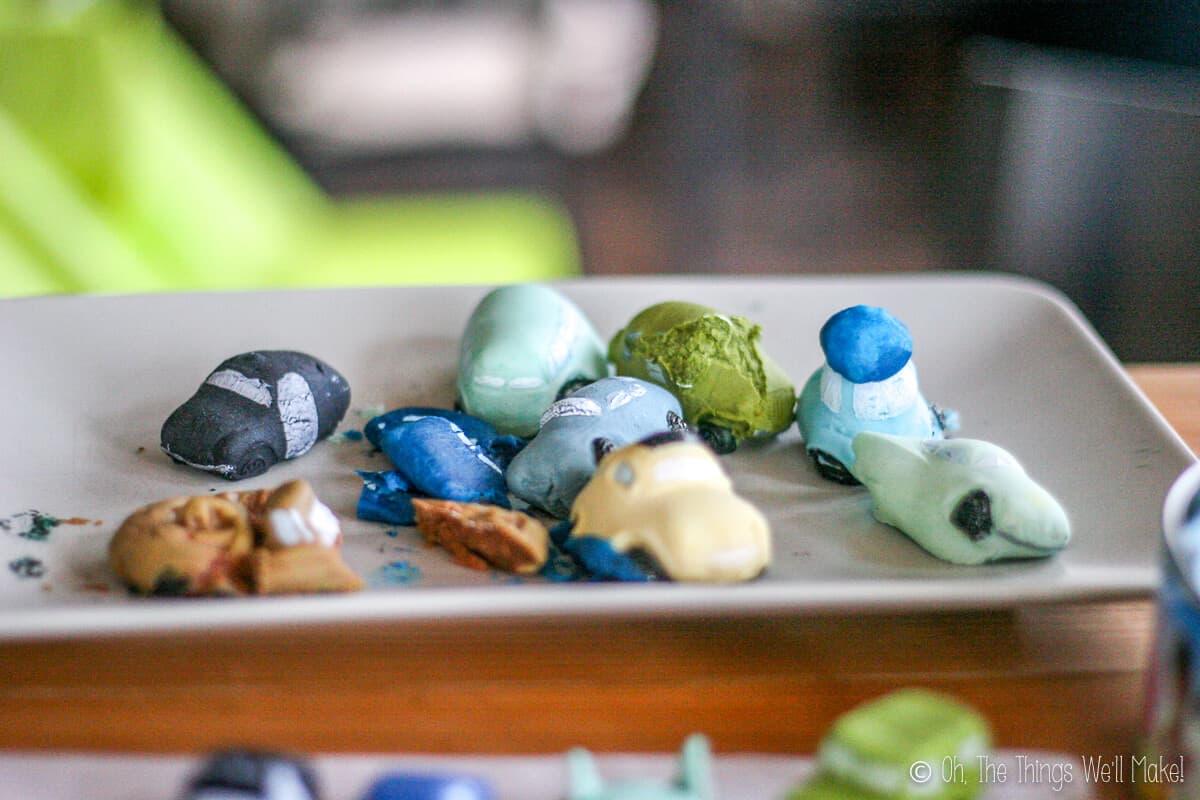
<point x="298" y="413"/>
<point x="249" y="388"/>
<point x="831" y="389"/>
<point x="687" y="469"/>
<point x="887" y="398"/>
<point x="623" y="396"/>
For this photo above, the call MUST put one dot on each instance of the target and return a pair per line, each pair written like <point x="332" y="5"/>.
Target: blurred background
<point x="1054" y="139"/>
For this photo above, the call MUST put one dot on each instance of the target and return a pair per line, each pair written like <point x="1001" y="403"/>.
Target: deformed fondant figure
<point x="437" y="453"/>
<point x="867" y="383"/>
<point x="964" y="500"/>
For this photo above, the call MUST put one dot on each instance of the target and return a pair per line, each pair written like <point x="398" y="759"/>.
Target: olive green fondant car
<point x="728" y="387"/>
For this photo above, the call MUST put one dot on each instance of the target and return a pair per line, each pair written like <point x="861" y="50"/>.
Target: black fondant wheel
<point x="721" y="440"/>
<point x="256" y="461"/>
<point x="578" y="382"/>
<point x="831" y="468"/>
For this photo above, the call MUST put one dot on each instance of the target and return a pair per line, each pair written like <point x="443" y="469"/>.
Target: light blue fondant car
<point x="555" y="465"/>
<point x="867" y="383"/>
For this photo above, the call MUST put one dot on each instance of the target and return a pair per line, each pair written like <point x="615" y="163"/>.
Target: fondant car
<point x="252" y="775"/>
<point x="668" y="500"/>
<point x="412" y="786"/>
<point x="729" y="388"/>
<point x="556" y="464"/>
<point x="693" y="782"/>
<point x="867" y="383"/>
<point x="966" y="501"/>
<point x="912" y="744"/>
<point x="524" y="346"/>
<point x="254" y="410"/>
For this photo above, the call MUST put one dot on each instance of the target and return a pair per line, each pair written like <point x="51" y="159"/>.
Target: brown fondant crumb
<point x="481" y="536"/>
<point x="302" y="568"/>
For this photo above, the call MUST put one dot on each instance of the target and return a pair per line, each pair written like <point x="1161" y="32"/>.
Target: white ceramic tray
<point x="89" y="381"/>
<point x="1031" y="775"/>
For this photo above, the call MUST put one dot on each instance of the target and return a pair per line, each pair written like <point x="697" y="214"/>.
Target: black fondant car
<point x="254" y="410"/>
<point x="253" y="775"/>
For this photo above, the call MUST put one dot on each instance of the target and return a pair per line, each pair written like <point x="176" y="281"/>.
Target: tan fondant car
<point x="668" y="497"/>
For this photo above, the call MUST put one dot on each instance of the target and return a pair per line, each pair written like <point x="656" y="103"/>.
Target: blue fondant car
<point x="405" y="786"/>
<point x="436" y="453"/>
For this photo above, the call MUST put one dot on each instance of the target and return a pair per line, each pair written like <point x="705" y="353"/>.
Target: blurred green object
<point x="126" y="166"/>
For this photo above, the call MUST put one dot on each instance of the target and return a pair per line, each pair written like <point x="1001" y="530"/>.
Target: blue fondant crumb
<point x="604" y="563"/>
<point x="386" y="497"/>
<point x="397" y="573"/>
<point x="560" y="532"/>
<point x="27" y="567"/>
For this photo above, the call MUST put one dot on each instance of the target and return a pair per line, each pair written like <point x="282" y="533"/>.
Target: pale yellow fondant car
<point x="668" y="498"/>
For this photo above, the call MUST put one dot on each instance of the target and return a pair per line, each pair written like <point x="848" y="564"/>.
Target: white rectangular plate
<point x="90" y="380"/>
<point x="1025" y="775"/>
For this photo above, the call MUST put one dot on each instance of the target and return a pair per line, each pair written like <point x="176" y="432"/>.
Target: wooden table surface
<point x="1067" y="677"/>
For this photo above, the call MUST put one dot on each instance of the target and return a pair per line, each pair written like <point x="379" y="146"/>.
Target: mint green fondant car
<point x="524" y="346"/>
<point x="966" y="501"/>
<point x="694" y="781"/>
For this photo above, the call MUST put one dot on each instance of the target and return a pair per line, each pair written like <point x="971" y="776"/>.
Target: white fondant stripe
<point x="571" y="407"/>
<point x="298" y="413"/>
<point x="249" y="388"/>
<point x="471" y="443"/>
